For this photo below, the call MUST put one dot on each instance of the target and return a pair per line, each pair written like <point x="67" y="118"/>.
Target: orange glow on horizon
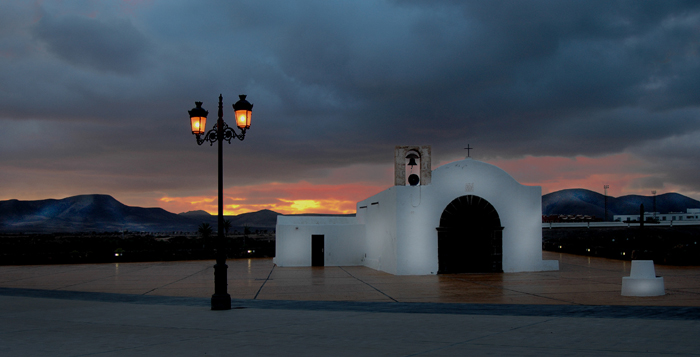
<point x="293" y="198"/>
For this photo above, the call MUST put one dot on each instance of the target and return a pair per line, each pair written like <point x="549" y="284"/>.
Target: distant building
<point x="568" y="218"/>
<point x="691" y="214"/>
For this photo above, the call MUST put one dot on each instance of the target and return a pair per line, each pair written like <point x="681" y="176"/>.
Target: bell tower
<point x="417" y="158"/>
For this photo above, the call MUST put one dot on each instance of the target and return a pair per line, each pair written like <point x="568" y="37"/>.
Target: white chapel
<point x="465" y="216"/>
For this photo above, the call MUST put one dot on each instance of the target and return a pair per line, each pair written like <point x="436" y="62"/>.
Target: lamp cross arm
<point x="213" y="135"/>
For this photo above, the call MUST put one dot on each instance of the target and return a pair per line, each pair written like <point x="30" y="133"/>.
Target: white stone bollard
<point x="643" y="280"/>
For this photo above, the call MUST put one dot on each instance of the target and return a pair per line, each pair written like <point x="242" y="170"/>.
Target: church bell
<point x="412" y="159"/>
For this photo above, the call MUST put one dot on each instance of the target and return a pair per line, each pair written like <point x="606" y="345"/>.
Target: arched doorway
<point x="470" y="237"/>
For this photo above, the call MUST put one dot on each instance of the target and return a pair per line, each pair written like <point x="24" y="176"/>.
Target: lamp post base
<point x="221" y="302"/>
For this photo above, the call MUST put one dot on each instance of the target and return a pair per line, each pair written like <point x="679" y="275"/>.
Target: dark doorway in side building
<point x="470" y="237"/>
<point x="317" y="246"/>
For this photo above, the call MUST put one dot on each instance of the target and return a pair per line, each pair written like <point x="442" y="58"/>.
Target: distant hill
<point x="582" y="201"/>
<point x="194" y="214"/>
<point x="103" y="213"/>
<point x="263" y="218"/>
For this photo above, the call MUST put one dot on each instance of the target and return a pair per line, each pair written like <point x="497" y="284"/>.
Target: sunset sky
<point x="561" y="94"/>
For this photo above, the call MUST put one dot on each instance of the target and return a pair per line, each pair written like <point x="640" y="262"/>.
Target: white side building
<point x="691" y="214"/>
<point x="465" y="216"/>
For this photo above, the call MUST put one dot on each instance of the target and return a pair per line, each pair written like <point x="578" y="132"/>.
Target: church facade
<point x="465" y="216"/>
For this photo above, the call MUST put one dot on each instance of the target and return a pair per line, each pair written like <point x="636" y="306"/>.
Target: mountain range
<point x="586" y="202"/>
<point x="103" y="213"/>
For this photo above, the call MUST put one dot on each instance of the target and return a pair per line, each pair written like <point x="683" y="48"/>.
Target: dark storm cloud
<point x="519" y="78"/>
<point x="673" y="161"/>
<point x="113" y="45"/>
<point x="340" y="83"/>
<point x="482" y="69"/>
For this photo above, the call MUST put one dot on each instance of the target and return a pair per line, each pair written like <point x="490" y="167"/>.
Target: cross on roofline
<point x="468" y="149"/>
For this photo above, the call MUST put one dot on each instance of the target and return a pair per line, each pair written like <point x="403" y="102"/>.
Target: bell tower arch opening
<point x="413" y="178"/>
<point x="470" y="237"/>
<point x="412" y="165"/>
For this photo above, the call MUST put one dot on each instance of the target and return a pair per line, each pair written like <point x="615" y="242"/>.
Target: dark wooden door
<point x="317" y="247"/>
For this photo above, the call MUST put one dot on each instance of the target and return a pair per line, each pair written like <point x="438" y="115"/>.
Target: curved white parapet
<point x="642" y="280"/>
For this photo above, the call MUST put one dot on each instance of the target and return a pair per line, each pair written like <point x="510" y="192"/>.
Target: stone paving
<point x="162" y="308"/>
<point x="580" y="280"/>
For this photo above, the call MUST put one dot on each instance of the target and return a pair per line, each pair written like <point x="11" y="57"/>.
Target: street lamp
<point x="606" y="187"/>
<point x="221" y="300"/>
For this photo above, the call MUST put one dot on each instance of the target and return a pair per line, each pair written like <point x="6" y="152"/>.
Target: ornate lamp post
<point x="221" y="300"/>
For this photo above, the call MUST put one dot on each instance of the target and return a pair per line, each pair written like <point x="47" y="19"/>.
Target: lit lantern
<point x="198" y="117"/>
<point x="243" y="111"/>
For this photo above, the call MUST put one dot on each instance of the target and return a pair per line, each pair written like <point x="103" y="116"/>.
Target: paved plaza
<point x="162" y="308"/>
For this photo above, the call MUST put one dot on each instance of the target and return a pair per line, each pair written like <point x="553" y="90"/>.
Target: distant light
<point x="623" y="253"/>
<point x="250" y="251"/>
<point x="559" y="247"/>
<point x="588" y="249"/>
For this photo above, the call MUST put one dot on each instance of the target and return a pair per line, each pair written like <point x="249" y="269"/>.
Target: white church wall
<point x="379" y="216"/>
<point x="343" y="240"/>
<point x="417" y="236"/>
<point x="345" y="245"/>
<point x="292" y="246"/>
<point x="522" y="239"/>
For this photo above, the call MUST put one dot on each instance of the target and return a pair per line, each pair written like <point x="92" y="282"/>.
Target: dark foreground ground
<point x="162" y="309"/>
